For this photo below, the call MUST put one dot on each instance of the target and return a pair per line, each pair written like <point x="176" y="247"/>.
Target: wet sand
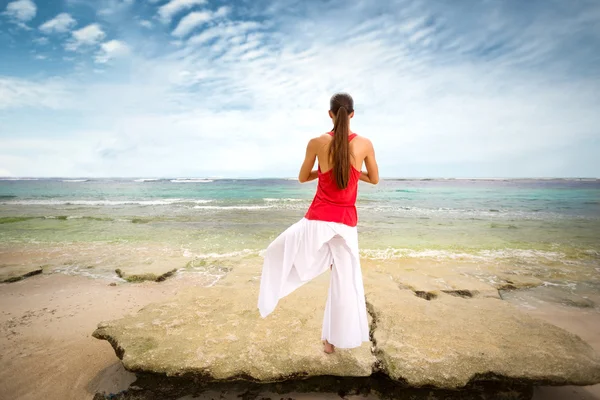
<point x="46" y="324"/>
<point x="48" y="351"/>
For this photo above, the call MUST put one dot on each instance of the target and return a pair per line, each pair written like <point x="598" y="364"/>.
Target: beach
<point x="195" y="232"/>
<point x="49" y="353"/>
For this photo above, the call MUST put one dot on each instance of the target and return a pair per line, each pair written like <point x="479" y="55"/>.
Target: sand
<point x="48" y="352"/>
<point x="582" y="322"/>
<point x="46" y="324"/>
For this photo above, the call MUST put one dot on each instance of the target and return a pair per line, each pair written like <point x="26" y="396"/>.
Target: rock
<point x="16" y="273"/>
<point x="512" y="281"/>
<point x="429" y="280"/>
<point x="217" y="334"/>
<point x="112" y="284"/>
<point x="157" y="276"/>
<point x="449" y="341"/>
<point x="444" y="335"/>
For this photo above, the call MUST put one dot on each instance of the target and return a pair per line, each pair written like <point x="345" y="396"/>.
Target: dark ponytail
<point x="341" y="105"/>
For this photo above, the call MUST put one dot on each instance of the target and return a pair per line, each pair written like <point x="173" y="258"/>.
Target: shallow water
<point x="549" y="229"/>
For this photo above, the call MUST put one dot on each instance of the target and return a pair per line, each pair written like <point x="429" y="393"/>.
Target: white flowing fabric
<point x="304" y="251"/>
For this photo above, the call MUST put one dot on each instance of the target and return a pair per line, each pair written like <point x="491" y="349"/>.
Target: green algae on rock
<point x="134" y="278"/>
<point x="16" y="273"/>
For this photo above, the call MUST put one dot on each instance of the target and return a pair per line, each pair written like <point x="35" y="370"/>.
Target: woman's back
<point x="332" y="203"/>
<point x="340" y="155"/>
<point x="360" y="148"/>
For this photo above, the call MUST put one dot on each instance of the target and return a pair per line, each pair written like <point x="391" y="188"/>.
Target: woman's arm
<point x="364" y="176"/>
<point x="306" y="172"/>
<point x="372" y="174"/>
<point x="314" y="174"/>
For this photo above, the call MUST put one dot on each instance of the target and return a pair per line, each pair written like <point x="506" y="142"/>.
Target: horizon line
<point x="286" y="178"/>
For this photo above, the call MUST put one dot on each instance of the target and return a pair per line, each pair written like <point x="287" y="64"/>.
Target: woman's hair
<point x="341" y="105"/>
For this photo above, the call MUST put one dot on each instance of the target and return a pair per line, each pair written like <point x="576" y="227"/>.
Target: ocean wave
<point x="272" y="200"/>
<point x="464" y="213"/>
<point x="237" y="253"/>
<point x="147" y="180"/>
<point x="19" y="179"/>
<point x="92" y="273"/>
<point x="160" y="202"/>
<point x="481" y="255"/>
<point x="75" y="180"/>
<point x="192" y="180"/>
<point x="399" y="253"/>
<point x="233" y="207"/>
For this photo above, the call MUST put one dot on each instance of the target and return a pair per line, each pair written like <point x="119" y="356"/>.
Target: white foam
<point x="272" y="200"/>
<point x="239" y="253"/>
<point x="192" y="180"/>
<point x="482" y="255"/>
<point x="77" y="270"/>
<point x="75" y="180"/>
<point x="161" y="202"/>
<point x="232" y="207"/>
<point x="147" y="180"/>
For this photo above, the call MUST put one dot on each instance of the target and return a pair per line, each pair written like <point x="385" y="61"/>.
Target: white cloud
<point x="85" y="36"/>
<point x="63" y="22"/>
<point x="197" y="18"/>
<point x="112" y="7"/>
<point x="191" y="21"/>
<point x="111" y="50"/>
<point x="40" y="40"/>
<point x="173" y="7"/>
<point x="21" y="10"/>
<point x="18" y="93"/>
<point x="146" y="24"/>
<point x="435" y="98"/>
<point x="226" y="29"/>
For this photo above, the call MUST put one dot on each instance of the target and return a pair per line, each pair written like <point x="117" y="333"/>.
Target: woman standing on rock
<point x="327" y="236"/>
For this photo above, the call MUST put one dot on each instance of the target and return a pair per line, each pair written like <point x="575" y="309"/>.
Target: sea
<point x="546" y="228"/>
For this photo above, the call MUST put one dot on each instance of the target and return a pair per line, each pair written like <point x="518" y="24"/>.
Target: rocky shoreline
<point x="433" y="335"/>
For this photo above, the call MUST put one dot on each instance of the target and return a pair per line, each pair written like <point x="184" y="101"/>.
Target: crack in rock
<point x="467" y="294"/>
<point x="377" y="366"/>
<point x="425" y="295"/>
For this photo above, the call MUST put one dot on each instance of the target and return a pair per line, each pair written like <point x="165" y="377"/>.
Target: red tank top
<point x="333" y="204"/>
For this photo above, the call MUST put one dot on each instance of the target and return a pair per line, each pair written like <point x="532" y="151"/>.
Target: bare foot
<point x="329" y="348"/>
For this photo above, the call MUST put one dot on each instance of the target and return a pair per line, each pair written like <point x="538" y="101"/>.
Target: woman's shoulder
<point x="361" y="138"/>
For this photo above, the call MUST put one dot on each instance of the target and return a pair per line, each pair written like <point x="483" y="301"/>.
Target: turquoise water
<point x="524" y="223"/>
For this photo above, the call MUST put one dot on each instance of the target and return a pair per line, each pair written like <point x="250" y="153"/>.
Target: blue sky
<point x="203" y="88"/>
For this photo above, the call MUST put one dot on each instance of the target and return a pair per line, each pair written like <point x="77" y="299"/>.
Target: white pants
<point x="304" y="251"/>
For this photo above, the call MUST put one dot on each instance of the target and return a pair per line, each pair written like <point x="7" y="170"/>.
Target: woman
<point x="327" y="237"/>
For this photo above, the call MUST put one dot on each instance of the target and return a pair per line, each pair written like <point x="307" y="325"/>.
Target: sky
<point x="212" y="88"/>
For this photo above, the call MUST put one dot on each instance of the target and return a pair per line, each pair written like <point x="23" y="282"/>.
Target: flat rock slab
<point x="16" y="273"/>
<point x="442" y="340"/>
<point x="217" y="333"/>
<point x="430" y="279"/>
<point x="448" y="341"/>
